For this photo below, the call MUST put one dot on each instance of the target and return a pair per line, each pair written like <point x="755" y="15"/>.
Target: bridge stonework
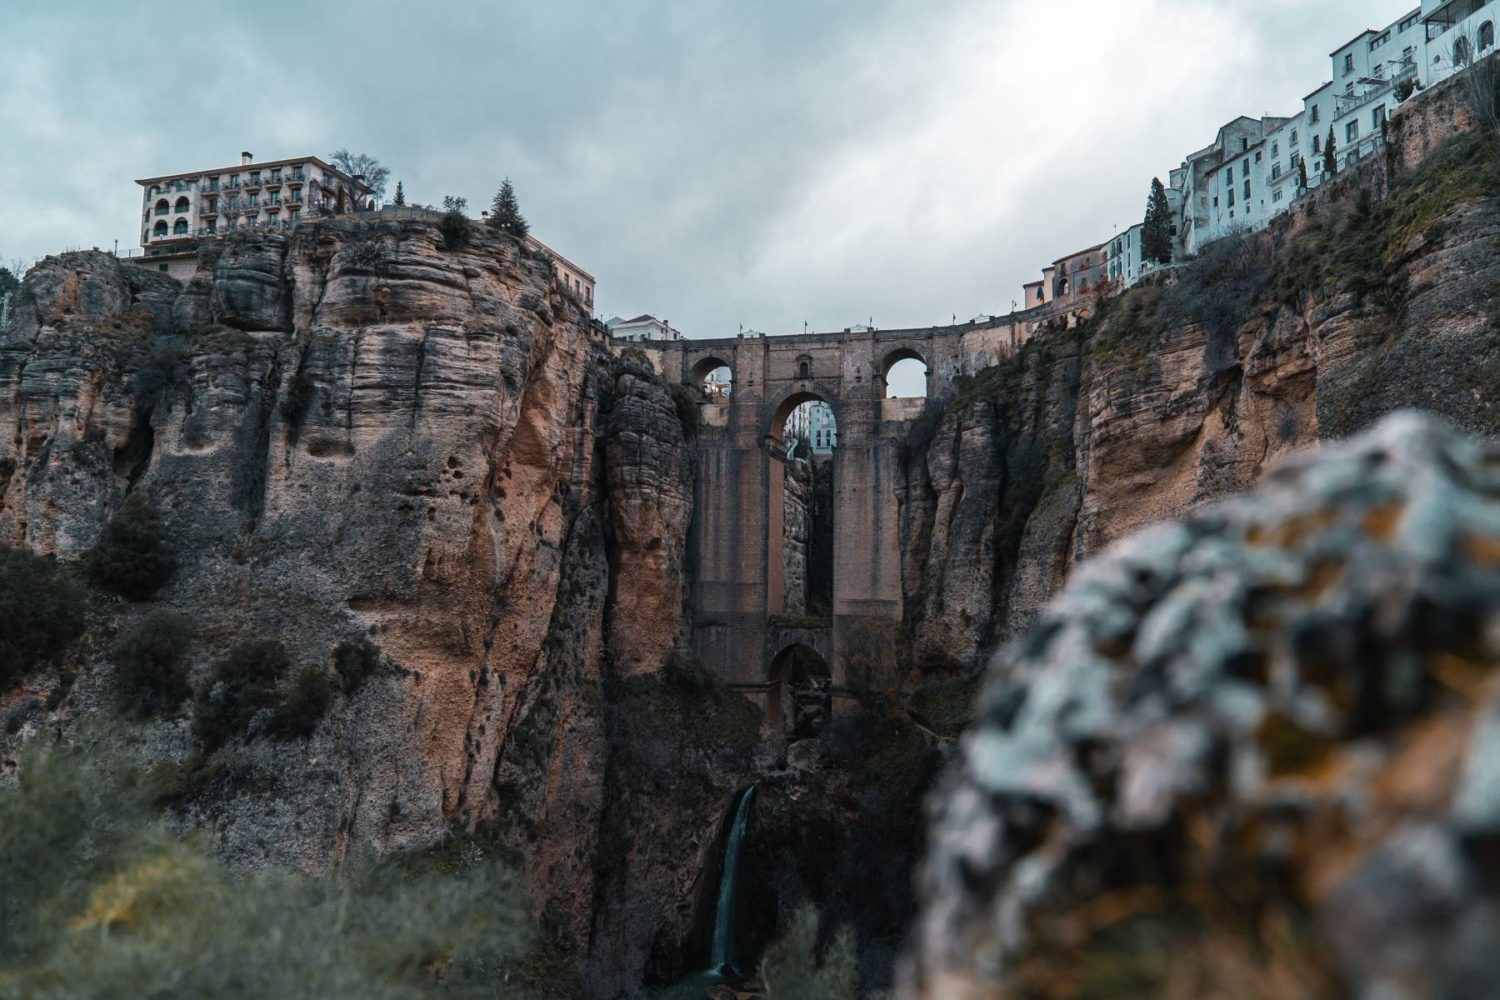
<point x="735" y="552"/>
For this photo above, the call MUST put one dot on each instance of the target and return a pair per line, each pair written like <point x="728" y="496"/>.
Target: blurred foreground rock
<point x="1254" y="753"/>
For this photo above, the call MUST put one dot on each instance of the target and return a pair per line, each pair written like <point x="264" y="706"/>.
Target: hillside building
<point x="1454" y="33"/>
<point x="179" y="210"/>
<point x="570" y="275"/>
<point x="643" y="327"/>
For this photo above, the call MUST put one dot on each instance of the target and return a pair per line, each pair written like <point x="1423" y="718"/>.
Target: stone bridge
<point x="735" y="554"/>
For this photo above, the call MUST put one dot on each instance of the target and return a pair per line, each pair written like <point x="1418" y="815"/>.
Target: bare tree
<point x="1474" y="57"/>
<point x="365" y="166"/>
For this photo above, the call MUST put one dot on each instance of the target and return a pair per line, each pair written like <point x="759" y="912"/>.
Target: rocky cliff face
<point x="1184" y="391"/>
<point x="358" y="432"/>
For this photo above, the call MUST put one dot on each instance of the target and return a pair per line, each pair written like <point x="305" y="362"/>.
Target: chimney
<point x="245" y="158"/>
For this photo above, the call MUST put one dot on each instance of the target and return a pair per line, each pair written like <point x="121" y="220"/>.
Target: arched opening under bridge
<point x="799" y="696"/>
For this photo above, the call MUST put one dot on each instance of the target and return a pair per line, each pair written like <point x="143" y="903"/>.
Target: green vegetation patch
<point x="98" y="899"/>
<point x="42" y="610"/>
<point x="133" y="557"/>
<point x="253" y="690"/>
<point x="151" y="673"/>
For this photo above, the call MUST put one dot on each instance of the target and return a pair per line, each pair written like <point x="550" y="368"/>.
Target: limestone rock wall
<point x="354" y="432"/>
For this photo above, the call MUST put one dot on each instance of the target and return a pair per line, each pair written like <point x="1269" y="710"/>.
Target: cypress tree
<point x="505" y="213"/>
<point x="1156" y="236"/>
<point x="400" y="194"/>
<point x="1331" y="153"/>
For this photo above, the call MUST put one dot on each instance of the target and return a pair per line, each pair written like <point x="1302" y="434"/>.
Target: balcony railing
<point x="273" y="181"/>
<point x="1400" y="71"/>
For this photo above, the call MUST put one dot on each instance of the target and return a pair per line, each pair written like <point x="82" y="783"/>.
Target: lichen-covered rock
<point x="1285" y="703"/>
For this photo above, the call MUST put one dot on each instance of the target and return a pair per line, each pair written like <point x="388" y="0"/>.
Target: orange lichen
<point x="1380" y="522"/>
<point x="1482" y="550"/>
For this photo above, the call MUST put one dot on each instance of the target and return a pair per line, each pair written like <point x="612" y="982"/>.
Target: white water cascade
<point x="722" y="958"/>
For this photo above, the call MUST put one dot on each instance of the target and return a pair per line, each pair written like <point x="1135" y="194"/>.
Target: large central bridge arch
<point x="735" y="567"/>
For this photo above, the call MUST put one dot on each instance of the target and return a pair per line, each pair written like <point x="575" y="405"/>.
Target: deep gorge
<point x="358" y="433"/>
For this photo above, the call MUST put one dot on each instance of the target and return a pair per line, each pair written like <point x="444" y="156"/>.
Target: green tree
<point x="1301" y="174"/>
<point x="1156" y="236"/>
<point x="9" y="283"/>
<point x="133" y="557"/>
<point x="400" y="194"/>
<point x="505" y="213"/>
<point x="1331" y="153"/>
<point x="41" y="612"/>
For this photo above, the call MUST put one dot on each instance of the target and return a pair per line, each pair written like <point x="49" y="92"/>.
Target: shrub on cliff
<point x="240" y="687"/>
<point x="454" y="225"/>
<point x="98" y="899"/>
<point x="303" y="704"/>
<point x="354" y="662"/>
<point x="41" y="612"/>
<point x="151" y="675"/>
<point x="133" y="558"/>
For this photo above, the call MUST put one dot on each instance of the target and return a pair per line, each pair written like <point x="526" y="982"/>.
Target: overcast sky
<point x="715" y="162"/>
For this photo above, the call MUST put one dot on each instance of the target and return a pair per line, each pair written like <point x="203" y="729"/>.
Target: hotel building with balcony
<point x="178" y="211"/>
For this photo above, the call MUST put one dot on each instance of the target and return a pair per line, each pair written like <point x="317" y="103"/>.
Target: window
<point x="182" y="205"/>
<point x="1352" y="132"/>
<point x="1257" y="157"/>
<point x="1379" y="71"/>
<point x="1486" y="35"/>
<point x="1247" y="189"/>
<point x="1276" y="195"/>
<point x="1275" y="149"/>
<point x="255" y="177"/>
<point x="1408" y="22"/>
<point x="1348" y="63"/>
<point x="160" y="229"/>
<point x="1276" y="170"/>
<point x="1231" y="199"/>
<point x="1378" y="42"/>
<point x="1317" y="114"/>
<point x="1461" y="52"/>
<point x="1294" y="140"/>
<point x="1377" y="118"/>
<point x="162" y="208"/>
<point x="1244" y="144"/>
<point x="181" y="228"/>
<point x="1317" y="144"/>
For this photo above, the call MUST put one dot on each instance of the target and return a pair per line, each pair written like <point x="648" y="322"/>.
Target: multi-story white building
<point x="643" y="327"/>
<point x="1454" y="33"/>
<point x="179" y="210"/>
<point x="1125" y="256"/>
<point x="1366" y="72"/>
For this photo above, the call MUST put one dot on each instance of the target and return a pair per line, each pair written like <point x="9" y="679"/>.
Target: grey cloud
<point x="680" y="151"/>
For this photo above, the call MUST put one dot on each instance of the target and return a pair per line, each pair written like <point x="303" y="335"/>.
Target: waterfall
<point x="723" y="952"/>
